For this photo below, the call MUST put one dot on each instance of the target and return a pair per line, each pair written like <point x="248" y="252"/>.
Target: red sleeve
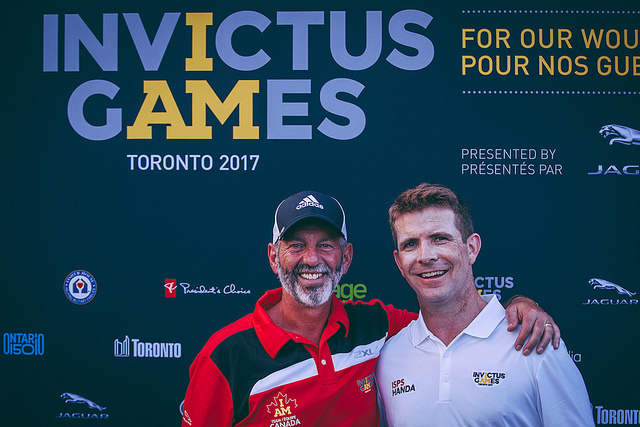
<point x="398" y="319"/>
<point x="208" y="400"/>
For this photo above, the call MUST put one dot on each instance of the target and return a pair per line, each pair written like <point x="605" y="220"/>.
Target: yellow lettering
<point x="566" y="38"/>
<point x="199" y="23"/>
<point x="592" y="38"/>
<point x="465" y="37"/>
<point x="241" y="96"/>
<point x="157" y="90"/>
<point x="466" y="64"/>
<point x="521" y="63"/>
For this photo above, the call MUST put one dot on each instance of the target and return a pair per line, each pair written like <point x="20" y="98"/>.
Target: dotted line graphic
<point x="568" y="12"/>
<point x="549" y="92"/>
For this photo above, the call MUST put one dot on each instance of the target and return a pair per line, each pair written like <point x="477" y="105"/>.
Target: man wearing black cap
<point x="302" y="357"/>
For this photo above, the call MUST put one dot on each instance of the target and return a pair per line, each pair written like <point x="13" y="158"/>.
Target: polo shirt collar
<point x="481" y="327"/>
<point x="272" y="337"/>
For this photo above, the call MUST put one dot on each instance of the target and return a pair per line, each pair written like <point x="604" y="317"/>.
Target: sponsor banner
<point x="138" y="135"/>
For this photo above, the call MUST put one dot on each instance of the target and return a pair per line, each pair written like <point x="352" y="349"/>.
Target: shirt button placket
<point x="445" y="369"/>
<point x="325" y="366"/>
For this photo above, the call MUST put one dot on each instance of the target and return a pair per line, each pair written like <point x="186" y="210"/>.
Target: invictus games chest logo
<point x="280" y="408"/>
<point x="80" y="287"/>
<point x="366" y="384"/>
<point x="488" y="379"/>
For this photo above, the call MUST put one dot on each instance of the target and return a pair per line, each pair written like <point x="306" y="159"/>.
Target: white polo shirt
<point x="479" y="379"/>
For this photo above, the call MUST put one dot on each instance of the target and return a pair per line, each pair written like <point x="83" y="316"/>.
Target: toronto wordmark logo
<point x="133" y="347"/>
<point x="624" y="296"/>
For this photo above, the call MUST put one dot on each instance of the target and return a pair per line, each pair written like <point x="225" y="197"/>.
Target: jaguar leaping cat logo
<point x="74" y="398"/>
<point x="622" y="134"/>
<point x="605" y="284"/>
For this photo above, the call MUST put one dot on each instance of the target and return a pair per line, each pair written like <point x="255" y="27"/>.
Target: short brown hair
<point x="428" y="195"/>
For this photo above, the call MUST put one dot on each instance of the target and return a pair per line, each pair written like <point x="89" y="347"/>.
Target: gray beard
<point x="309" y="297"/>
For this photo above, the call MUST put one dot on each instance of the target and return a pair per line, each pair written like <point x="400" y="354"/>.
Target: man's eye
<point x="409" y="245"/>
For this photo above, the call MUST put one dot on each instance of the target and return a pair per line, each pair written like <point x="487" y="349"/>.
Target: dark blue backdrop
<point x="555" y="202"/>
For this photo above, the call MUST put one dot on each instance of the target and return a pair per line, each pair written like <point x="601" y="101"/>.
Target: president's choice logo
<point x="133" y="347"/>
<point x="618" y="135"/>
<point x="617" y="294"/>
<point x="172" y="287"/>
<point x="80" y="287"/>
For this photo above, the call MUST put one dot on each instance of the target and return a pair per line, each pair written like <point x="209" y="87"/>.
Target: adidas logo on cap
<point x="309" y="201"/>
<point x="308" y="204"/>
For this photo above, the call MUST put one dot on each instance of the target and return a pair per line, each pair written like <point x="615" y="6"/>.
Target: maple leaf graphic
<point x="280" y="401"/>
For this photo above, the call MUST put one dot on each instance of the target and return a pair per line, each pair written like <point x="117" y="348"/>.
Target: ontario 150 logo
<point x="21" y="344"/>
<point x="80" y="287"/>
<point x="617" y="295"/>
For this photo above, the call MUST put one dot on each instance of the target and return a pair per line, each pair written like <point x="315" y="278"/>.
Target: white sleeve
<point x="563" y="397"/>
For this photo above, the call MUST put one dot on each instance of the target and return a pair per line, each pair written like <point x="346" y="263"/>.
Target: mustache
<point x="306" y="268"/>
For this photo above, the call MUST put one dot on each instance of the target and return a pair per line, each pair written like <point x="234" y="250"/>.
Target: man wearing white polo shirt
<point x="455" y="365"/>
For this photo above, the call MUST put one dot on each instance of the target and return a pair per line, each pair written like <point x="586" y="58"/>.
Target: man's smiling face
<point x="310" y="262"/>
<point x="432" y="256"/>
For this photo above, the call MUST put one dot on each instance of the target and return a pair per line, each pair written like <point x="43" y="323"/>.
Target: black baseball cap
<point x="308" y="204"/>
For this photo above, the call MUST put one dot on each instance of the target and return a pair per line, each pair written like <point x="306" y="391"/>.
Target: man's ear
<point x="396" y="257"/>
<point x="347" y="257"/>
<point x="272" y="253"/>
<point x="473" y="247"/>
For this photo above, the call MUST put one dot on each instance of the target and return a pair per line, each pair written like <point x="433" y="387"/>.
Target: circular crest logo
<point x="80" y="287"/>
